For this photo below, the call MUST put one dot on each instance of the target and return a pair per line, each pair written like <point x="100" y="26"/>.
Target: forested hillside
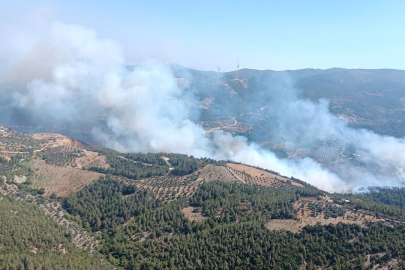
<point x="232" y="235"/>
<point x="65" y="205"/>
<point x="31" y="240"/>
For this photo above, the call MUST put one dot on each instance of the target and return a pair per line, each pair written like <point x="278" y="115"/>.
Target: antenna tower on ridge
<point x="237" y="69"/>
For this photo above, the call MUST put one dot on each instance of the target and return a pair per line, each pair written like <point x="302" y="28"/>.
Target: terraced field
<point x="251" y="175"/>
<point x="168" y="188"/>
<point x="313" y="211"/>
<point x="60" y="180"/>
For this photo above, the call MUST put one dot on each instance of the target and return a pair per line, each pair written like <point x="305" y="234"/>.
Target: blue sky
<point x="260" y="34"/>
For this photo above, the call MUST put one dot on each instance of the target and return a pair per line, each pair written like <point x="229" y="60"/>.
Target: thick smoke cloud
<point x="67" y="73"/>
<point x="300" y="122"/>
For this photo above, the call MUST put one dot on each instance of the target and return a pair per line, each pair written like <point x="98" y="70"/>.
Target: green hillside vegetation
<point x="121" y="166"/>
<point x="389" y="196"/>
<point x="211" y="224"/>
<point x="384" y="202"/>
<point x="139" y="165"/>
<point x="249" y="246"/>
<point x="233" y="236"/>
<point x="31" y="240"/>
<point x="102" y="206"/>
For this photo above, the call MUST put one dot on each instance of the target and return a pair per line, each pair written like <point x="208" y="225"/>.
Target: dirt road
<point x="219" y="128"/>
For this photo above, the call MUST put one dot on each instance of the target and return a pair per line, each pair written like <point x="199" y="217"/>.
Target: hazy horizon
<point x="269" y="69"/>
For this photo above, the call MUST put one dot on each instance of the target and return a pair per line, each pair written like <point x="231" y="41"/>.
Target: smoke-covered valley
<point x="62" y="77"/>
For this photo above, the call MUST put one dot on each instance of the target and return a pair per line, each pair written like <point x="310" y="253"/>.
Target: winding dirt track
<point x="219" y="128"/>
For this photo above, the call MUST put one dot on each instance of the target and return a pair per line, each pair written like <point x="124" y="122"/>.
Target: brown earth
<point x="304" y="218"/>
<point x="259" y="176"/>
<point x="193" y="216"/>
<point x="60" y="180"/>
<point x="169" y="187"/>
<point x="90" y="159"/>
<point x="55" y="140"/>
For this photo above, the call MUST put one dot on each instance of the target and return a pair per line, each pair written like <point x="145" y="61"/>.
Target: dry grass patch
<point x="55" y="140"/>
<point x="253" y="171"/>
<point x="193" y="214"/>
<point x="169" y="187"/>
<point x="60" y="180"/>
<point x="304" y="218"/>
<point x="214" y="173"/>
<point x="92" y="159"/>
<point x="256" y="176"/>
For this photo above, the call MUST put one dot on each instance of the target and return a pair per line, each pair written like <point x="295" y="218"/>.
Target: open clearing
<point x="170" y="187"/>
<point x="304" y="218"/>
<point x="257" y="176"/>
<point x="92" y="159"/>
<point x="55" y="140"/>
<point x="191" y="214"/>
<point x="60" y="180"/>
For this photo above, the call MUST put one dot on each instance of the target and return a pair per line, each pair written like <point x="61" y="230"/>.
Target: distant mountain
<point x="372" y="99"/>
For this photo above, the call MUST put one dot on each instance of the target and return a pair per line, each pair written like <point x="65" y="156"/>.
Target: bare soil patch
<point x="92" y="159"/>
<point x="253" y="171"/>
<point x="55" y="140"/>
<point x="304" y="218"/>
<point x="166" y="159"/>
<point x="259" y="176"/>
<point x="19" y="179"/>
<point x="60" y="180"/>
<point x="214" y="173"/>
<point x="192" y="214"/>
<point x="169" y="187"/>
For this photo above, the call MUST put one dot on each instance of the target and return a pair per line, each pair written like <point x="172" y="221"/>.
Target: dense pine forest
<point x="31" y="240"/>
<point x="233" y="236"/>
<point x="139" y="165"/>
<point x="172" y="211"/>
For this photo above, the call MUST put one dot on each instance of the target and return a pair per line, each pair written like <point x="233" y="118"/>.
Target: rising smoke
<point x="67" y="74"/>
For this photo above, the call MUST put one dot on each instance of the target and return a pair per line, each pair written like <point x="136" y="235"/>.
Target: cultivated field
<point x="54" y="140"/>
<point x="251" y="175"/>
<point x="12" y="142"/>
<point x="169" y="188"/>
<point x="60" y="180"/>
<point x="91" y="159"/>
<point x="313" y="211"/>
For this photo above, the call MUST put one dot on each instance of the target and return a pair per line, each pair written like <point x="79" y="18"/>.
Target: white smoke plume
<point x="66" y="73"/>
